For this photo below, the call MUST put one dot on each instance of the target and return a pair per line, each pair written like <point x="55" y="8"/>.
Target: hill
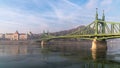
<point x="72" y="31"/>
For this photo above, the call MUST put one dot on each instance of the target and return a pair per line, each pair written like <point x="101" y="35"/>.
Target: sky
<point x="53" y="15"/>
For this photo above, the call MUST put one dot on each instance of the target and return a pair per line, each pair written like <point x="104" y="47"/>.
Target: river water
<point x="60" y="55"/>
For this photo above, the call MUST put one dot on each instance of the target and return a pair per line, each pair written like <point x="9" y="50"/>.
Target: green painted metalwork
<point x="99" y="29"/>
<point x="96" y="17"/>
<point x="103" y="17"/>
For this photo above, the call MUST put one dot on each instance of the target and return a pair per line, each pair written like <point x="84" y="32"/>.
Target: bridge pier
<point x="99" y="49"/>
<point x="42" y="44"/>
<point x="99" y="45"/>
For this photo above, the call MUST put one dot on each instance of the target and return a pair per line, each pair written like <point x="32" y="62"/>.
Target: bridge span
<point x="98" y="31"/>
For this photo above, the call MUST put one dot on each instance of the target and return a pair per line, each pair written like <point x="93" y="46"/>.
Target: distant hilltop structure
<point x="17" y="36"/>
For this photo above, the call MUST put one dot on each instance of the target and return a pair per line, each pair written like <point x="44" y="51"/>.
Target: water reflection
<point x="99" y="54"/>
<point x="80" y="51"/>
<point x="65" y="55"/>
<point x="12" y="49"/>
<point x="101" y="65"/>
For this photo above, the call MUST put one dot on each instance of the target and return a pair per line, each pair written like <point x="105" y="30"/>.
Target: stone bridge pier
<point x="42" y="44"/>
<point x="99" y="49"/>
<point x="99" y="44"/>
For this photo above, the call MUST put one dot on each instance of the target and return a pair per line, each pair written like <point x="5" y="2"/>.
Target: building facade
<point x="16" y="36"/>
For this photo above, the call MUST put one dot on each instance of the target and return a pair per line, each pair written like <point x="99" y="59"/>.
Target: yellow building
<point x="8" y="36"/>
<point x="23" y="36"/>
<point x="17" y="36"/>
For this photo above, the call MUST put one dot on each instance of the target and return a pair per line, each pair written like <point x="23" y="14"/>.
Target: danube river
<point x="60" y="54"/>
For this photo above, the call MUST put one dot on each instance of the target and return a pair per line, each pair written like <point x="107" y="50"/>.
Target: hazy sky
<point x="53" y="15"/>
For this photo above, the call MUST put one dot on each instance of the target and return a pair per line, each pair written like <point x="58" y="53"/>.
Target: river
<point x="62" y="54"/>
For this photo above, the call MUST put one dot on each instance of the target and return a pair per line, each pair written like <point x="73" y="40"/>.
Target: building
<point x="16" y="36"/>
<point x="8" y="36"/>
<point x="23" y="36"/>
<point x="2" y="36"/>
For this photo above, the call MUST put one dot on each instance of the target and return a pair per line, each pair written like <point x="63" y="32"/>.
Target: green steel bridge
<point x="99" y="29"/>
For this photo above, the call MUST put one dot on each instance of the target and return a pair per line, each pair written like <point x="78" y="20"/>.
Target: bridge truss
<point x="98" y="29"/>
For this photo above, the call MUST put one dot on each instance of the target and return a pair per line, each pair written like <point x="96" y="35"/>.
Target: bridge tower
<point x="96" y="16"/>
<point x="99" y="29"/>
<point x="99" y="24"/>
<point x="103" y="17"/>
<point x="103" y="23"/>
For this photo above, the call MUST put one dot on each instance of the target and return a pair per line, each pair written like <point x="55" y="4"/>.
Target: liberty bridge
<point x="99" y="31"/>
